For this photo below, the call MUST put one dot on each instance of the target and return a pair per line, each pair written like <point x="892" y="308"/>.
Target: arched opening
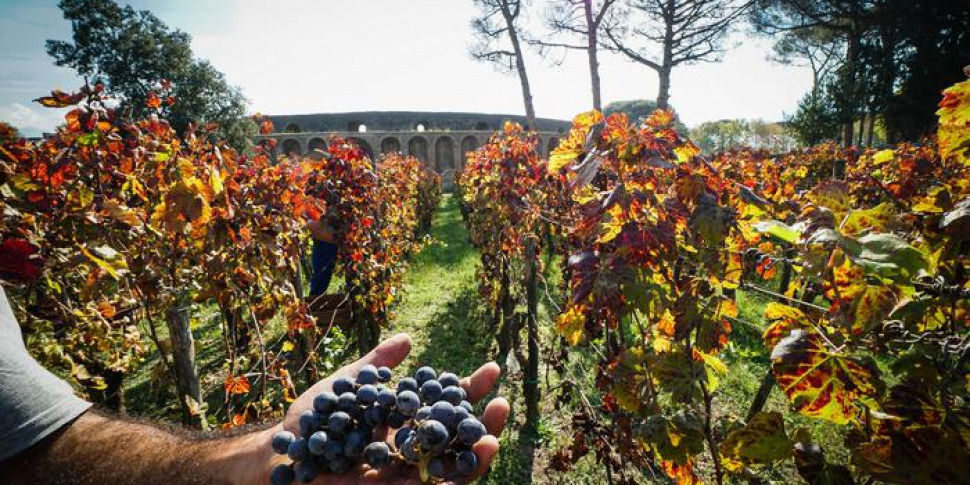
<point x="482" y="126"/>
<point x="356" y="127"/>
<point x="316" y="147"/>
<point x="291" y="148"/>
<point x="468" y="144"/>
<point x="444" y="154"/>
<point x="293" y="128"/>
<point x="553" y="143"/>
<point x="390" y="145"/>
<point x="368" y="150"/>
<point x="418" y="147"/>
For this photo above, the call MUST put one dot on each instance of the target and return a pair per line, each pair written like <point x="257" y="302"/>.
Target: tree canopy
<point x="132" y="50"/>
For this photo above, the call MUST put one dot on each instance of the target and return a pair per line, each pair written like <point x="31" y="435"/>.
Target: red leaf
<point x="19" y="260"/>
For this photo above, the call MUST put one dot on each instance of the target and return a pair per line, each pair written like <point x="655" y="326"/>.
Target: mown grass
<point x="441" y="309"/>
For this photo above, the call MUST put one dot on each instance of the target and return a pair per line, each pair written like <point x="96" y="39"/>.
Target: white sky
<point x="307" y="56"/>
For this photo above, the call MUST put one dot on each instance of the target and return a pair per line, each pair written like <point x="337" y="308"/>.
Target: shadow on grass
<point x="459" y="337"/>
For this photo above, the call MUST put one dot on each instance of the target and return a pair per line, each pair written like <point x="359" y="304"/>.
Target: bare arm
<point x="99" y="449"/>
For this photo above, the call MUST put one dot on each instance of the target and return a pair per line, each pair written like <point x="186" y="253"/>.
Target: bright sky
<point x="311" y="56"/>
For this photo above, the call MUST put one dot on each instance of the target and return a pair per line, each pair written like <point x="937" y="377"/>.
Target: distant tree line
<point x="878" y="66"/>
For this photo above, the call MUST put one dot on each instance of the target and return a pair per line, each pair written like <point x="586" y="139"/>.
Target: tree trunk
<point x="666" y="65"/>
<point x="183" y="357"/>
<point x="871" y="130"/>
<point x="530" y="112"/>
<point x="663" y="93"/>
<point x="531" y="384"/>
<point x="591" y="46"/>
<point x="851" y="63"/>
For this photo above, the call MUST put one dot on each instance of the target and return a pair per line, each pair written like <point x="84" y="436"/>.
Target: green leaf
<point x="822" y="383"/>
<point x="778" y="230"/>
<point x="762" y="440"/>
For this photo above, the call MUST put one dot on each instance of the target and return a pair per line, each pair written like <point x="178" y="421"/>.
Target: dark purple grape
<point x="377" y="454"/>
<point x="333" y="450"/>
<point x="355" y="443"/>
<point x="347" y="402"/>
<point x="325" y="402"/>
<point x="367" y="375"/>
<point x="384" y="374"/>
<point x="466" y="462"/>
<point x="282" y="475"/>
<point x="432" y="435"/>
<point x="448" y="379"/>
<point x="424" y="374"/>
<point x="470" y="430"/>
<point x="424" y="412"/>
<point x="298" y="450"/>
<point x="453" y="394"/>
<point x="387" y="398"/>
<point x="366" y="395"/>
<point x="444" y="413"/>
<point x="307" y="423"/>
<point x="468" y="407"/>
<point x="281" y="442"/>
<point x="407" y="384"/>
<point x="408" y="403"/>
<point x="317" y="442"/>
<point x="339" y="422"/>
<point x="375" y="415"/>
<point x="342" y="385"/>
<point x="436" y="468"/>
<point x="396" y="419"/>
<point x="410" y="450"/>
<point x="306" y="471"/>
<point x="460" y="415"/>
<point x="431" y="391"/>
<point x="401" y="436"/>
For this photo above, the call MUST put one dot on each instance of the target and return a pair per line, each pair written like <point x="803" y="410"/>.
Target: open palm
<point x="390" y="353"/>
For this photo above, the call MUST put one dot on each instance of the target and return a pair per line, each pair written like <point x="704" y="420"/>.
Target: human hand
<point x="390" y="353"/>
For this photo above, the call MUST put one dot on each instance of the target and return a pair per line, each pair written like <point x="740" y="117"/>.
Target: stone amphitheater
<point x="437" y="139"/>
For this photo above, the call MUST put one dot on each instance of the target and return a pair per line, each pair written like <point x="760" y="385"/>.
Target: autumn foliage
<point x="865" y="254"/>
<point x="111" y="222"/>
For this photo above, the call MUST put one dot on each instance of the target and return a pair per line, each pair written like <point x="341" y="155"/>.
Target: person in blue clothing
<point x="323" y="256"/>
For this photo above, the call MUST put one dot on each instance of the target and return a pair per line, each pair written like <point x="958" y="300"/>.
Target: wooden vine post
<point x="183" y="357"/>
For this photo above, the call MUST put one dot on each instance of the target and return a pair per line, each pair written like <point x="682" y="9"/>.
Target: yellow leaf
<point x="883" y="156"/>
<point x="571" y="324"/>
<point x="288" y="346"/>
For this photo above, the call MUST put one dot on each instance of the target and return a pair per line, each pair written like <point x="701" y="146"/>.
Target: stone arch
<point x="468" y="144"/>
<point x="444" y="154"/>
<point x="362" y="143"/>
<point x="552" y="144"/>
<point x="418" y="146"/>
<point x="482" y="126"/>
<point x="292" y="147"/>
<point x="315" y="146"/>
<point x="390" y="145"/>
<point x="293" y="128"/>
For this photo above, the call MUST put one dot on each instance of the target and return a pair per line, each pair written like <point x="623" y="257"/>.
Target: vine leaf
<point x="762" y="440"/>
<point x="812" y="466"/>
<point x="782" y="319"/>
<point x="915" y="454"/>
<point x="821" y="383"/>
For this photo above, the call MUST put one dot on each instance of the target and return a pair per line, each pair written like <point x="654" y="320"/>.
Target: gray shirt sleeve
<point x="33" y="402"/>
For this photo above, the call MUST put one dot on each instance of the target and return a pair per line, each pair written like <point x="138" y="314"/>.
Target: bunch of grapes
<point x="435" y="423"/>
